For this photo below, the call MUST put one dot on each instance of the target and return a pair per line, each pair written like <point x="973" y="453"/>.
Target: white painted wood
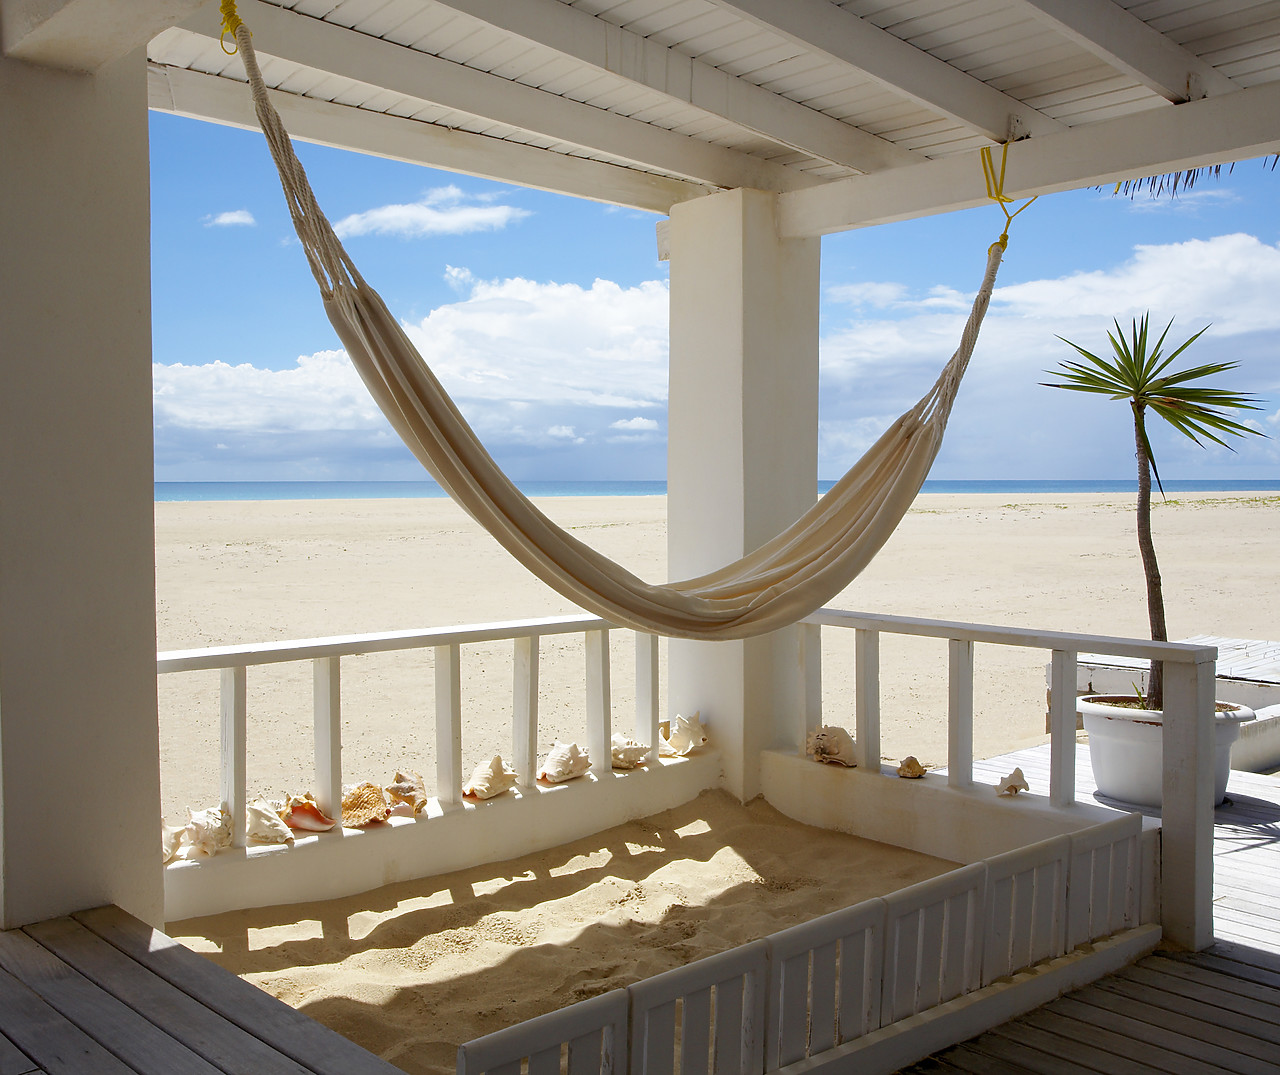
<point x="1025" y="907"/>
<point x="232" y="735"/>
<point x="606" y="47"/>
<point x="329" y="47"/>
<point x="448" y="676"/>
<point x="866" y="698"/>
<point x="54" y="33"/>
<point x="809" y="671"/>
<point x="599" y="703"/>
<point x="1187" y="831"/>
<point x="648" y="693"/>
<point x="525" y="710"/>
<point x="1103" y="886"/>
<point x="825" y="28"/>
<point x="605" y="1015"/>
<point x="960" y="712"/>
<point x="1062" y="728"/>
<point x="1128" y="44"/>
<point x="327" y="719"/>
<point x="731" y="1005"/>
<point x="695" y="1032"/>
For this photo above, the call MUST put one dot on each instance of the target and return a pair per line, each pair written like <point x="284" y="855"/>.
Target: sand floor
<point x="412" y="970"/>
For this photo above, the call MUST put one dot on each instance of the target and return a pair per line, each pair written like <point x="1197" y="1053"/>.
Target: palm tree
<point x="1136" y="372"/>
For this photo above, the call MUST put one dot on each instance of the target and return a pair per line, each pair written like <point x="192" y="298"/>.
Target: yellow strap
<point x="231" y="22"/>
<point x="995" y="190"/>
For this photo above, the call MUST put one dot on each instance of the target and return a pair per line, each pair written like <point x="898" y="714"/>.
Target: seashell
<point x="363" y="805"/>
<point x="687" y="735"/>
<point x="1013" y="783"/>
<point x="627" y="753"/>
<point x="408" y="790"/>
<point x="303" y="814"/>
<point x="170" y="841"/>
<point x="208" y="831"/>
<point x="831" y="744"/>
<point x="911" y="769"/>
<point x="490" y="778"/>
<point x="262" y="824"/>
<point x="564" y="762"/>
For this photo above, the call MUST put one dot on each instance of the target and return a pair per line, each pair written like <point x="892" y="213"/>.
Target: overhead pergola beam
<point x="1122" y="40"/>
<point x="584" y="37"/>
<point x="83" y="35"/>
<point x="822" y="27"/>
<point x="222" y="100"/>
<point x="337" y="50"/>
<point x="1214" y="130"/>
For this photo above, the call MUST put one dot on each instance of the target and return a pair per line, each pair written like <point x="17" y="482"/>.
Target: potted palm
<point x="1125" y="732"/>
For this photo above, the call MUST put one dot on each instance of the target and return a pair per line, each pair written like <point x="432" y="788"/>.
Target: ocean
<point x="383" y="490"/>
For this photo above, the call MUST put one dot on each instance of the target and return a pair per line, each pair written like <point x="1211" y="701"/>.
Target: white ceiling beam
<point x="1122" y="40"/>
<point x="820" y="26"/>
<point x="1213" y="130"/>
<point x="82" y="35"/>
<point x="222" y="100"/>
<point x="584" y="37"/>
<point x="334" y="49"/>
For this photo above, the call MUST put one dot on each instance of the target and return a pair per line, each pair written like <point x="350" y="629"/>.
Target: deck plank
<point x="13" y="1061"/>
<point x="44" y="1034"/>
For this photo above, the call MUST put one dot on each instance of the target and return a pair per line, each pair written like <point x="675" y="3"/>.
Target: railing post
<point x="648" y="695"/>
<point x="809" y="659"/>
<point x="327" y="720"/>
<point x="233" y="733"/>
<point x="866" y="699"/>
<point x="1062" y="728"/>
<point x="1186" y="840"/>
<point x="525" y="709"/>
<point x="960" y="713"/>
<point x="448" y="663"/>
<point x="599" y="704"/>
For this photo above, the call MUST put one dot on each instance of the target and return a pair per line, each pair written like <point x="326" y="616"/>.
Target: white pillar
<point x="742" y="450"/>
<point x="79" y="757"/>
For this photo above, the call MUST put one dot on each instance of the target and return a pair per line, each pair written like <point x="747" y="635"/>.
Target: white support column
<point x="77" y="541"/>
<point x="742" y="450"/>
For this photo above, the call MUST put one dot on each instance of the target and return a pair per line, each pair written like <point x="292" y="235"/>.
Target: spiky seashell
<point x="262" y="824"/>
<point x="687" y="734"/>
<point x="831" y="744"/>
<point x="1013" y="783"/>
<point x="408" y="789"/>
<point x="911" y="769"/>
<point x="490" y="778"/>
<point x="564" y="762"/>
<point x="208" y="831"/>
<point x="303" y="814"/>
<point x="627" y="753"/>
<point x="363" y="805"/>
<point x="170" y="841"/>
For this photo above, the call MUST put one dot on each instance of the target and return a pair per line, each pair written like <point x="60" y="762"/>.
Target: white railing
<point x="821" y="985"/>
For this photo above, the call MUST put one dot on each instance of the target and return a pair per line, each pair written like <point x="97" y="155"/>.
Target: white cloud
<point x="232" y="218"/>
<point x="1190" y="201"/>
<point x="636" y="424"/>
<point x="441" y="211"/>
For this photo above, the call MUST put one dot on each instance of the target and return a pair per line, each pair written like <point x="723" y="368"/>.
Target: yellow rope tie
<point x="231" y="22"/>
<point x="995" y="191"/>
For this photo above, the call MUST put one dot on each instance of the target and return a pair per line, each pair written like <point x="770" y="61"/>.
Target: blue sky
<point x="545" y="317"/>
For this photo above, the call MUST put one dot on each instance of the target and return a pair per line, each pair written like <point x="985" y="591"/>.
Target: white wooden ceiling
<point x="856" y="112"/>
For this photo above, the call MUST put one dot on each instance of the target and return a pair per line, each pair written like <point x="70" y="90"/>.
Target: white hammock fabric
<point x="776" y="585"/>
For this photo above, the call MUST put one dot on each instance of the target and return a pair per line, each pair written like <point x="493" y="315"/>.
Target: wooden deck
<point x="1215" y="1011"/>
<point x="101" y="993"/>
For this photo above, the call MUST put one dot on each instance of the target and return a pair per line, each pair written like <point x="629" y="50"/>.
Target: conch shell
<point x="303" y="814"/>
<point x="208" y="831"/>
<point x="171" y="841"/>
<point x="687" y="734"/>
<point x="564" y="762"/>
<point x="627" y="753"/>
<point x="262" y="824"/>
<point x="1013" y="783"/>
<point x="911" y="769"/>
<point x="831" y="744"/>
<point x="363" y="805"/>
<point x="490" y="778"/>
<point x="408" y="790"/>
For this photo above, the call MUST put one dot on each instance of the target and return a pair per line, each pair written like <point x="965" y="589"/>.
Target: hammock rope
<point x="777" y="584"/>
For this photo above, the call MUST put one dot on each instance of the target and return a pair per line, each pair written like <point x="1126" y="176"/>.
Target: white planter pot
<point x="1126" y="747"/>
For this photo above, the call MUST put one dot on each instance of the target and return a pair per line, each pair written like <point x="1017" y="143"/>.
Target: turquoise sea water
<point x="320" y="490"/>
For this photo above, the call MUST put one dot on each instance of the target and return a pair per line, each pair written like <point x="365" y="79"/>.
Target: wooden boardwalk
<point x="101" y="993"/>
<point x="1215" y="1011"/>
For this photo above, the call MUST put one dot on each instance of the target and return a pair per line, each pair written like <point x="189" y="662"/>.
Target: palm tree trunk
<point x="1155" y="595"/>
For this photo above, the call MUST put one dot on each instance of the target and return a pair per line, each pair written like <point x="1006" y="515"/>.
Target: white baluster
<point x="809" y="656"/>
<point x="1062" y="728"/>
<point x="960" y="713"/>
<point x="233" y="735"/>
<point x="525" y="709"/>
<point x="327" y="720"/>
<point x="448" y="724"/>
<point x="647" y="692"/>
<point x="866" y="699"/>
<point x="599" y="703"/>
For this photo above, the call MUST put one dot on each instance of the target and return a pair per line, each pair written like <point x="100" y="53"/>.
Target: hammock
<point x="779" y="583"/>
